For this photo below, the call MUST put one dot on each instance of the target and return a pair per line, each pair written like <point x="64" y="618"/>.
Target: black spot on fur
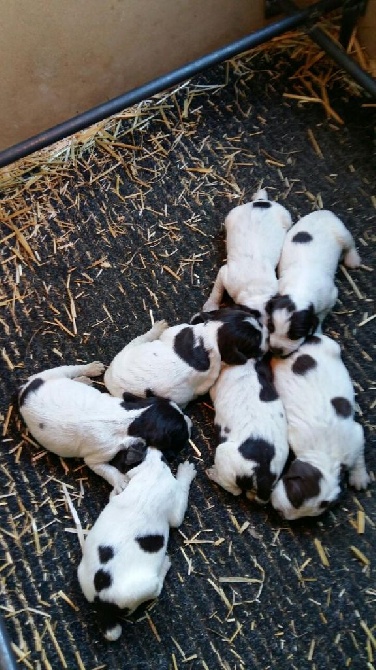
<point x="225" y="314"/>
<point x="263" y="204"/>
<point x="105" y="553"/>
<point x="301" y="482"/>
<point x="161" y="424"/>
<point x="303" y="364"/>
<point x="280" y="302"/>
<point x="264" y="373"/>
<point x="302" y="238"/>
<point x="107" y="614"/>
<point x="313" y="339"/>
<point x="261" y="452"/>
<point x="102" y="580"/>
<point x="226" y="430"/>
<point x="303" y="323"/>
<point x="41" y="425"/>
<point x="151" y="543"/>
<point x="238" y="340"/>
<point x="342" y="406"/>
<point x="32" y="387"/>
<point x="194" y="354"/>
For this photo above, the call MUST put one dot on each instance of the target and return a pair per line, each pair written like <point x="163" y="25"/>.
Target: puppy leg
<point x="351" y="257"/>
<point x="94" y="369"/>
<point x="110" y="473"/>
<point x="153" y="334"/>
<point x="358" y="475"/>
<point x="184" y="477"/>
<point x="216" y="295"/>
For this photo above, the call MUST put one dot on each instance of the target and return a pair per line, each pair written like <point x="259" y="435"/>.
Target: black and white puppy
<point x="252" y="428"/>
<point x="318" y="396"/>
<point x="125" y="559"/>
<point x="255" y="233"/>
<point x="306" y="289"/>
<point x="74" y="419"/>
<point x="183" y="362"/>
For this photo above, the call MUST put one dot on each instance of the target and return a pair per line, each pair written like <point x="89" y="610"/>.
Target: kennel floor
<point x="130" y="231"/>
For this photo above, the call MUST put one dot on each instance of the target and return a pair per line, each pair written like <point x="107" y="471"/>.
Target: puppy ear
<point x="200" y="317"/>
<point x="315" y="321"/>
<point x="301" y="482"/>
<point x="270" y="304"/>
<point x="136" y="453"/>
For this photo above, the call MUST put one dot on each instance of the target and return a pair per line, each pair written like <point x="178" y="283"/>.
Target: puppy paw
<point x="212" y="474"/>
<point x="84" y="380"/>
<point x="359" y="479"/>
<point x="120" y="485"/>
<point x="186" y="471"/>
<point x="113" y="634"/>
<point x="352" y="258"/>
<point x="94" y="369"/>
<point x="158" y="328"/>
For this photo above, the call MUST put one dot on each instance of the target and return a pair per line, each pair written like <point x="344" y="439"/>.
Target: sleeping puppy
<point x="73" y="419"/>
<point x="183" y="362"/>
<point x="306" y="289"/>
<point x="125" y="559"/>
<point x="252" y="428"/>
<point x="254" y="237"/>
<point x="318" y="396"/>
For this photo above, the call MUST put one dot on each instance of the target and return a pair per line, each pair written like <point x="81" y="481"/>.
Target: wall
<point x="59" y="58"/>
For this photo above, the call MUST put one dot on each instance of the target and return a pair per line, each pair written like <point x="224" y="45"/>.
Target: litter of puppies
<point x="275" y="380"/>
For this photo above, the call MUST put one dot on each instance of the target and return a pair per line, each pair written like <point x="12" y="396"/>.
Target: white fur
<point x="76" y="420"/>
<point x="306" y="272"/>
<point x="150" y="362"/>
<point x="317" y="435"/>
<point x="153" y="501"/>
<point x="254" y="239"/>
<point x="240" y="414"/>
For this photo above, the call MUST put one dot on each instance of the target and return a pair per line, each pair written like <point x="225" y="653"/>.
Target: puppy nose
<point x="276" y="351"/>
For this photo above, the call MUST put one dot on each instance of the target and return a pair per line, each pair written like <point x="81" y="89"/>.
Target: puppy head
<point x="288" y="327"/>
<point x="241" y="333"/>
<point x="306" y="490"/>
<point x="128" y="458"/>
<point x="162" y="424"/>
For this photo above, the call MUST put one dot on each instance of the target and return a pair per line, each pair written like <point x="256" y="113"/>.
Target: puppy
<point x="306" y="290"/>
<point x="183" y="362"/>
<point x="318" y="396"/>
<point x="75" y="420"/>
<point x="125" y="559"/>
<point x="252" y="428"/>
<point x="254" y="237"/>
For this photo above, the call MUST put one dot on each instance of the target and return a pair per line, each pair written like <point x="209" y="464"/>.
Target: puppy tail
<point x="261" y="194"/>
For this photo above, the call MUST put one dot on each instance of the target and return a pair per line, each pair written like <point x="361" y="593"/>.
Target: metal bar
<point x="7" y="659"/>
<point x="337" y="53"/>
<point x="172" y="78"/>
<point x="352" y="10"/>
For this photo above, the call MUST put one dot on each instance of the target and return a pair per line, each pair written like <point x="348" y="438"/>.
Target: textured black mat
<point x="139" y="229"/>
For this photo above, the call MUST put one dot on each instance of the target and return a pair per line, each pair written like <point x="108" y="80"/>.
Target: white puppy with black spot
<point x="318" y="396"/>
<point x="255" y="233"/>
<point x="74" y="420"/>
<point x="125" y="559"/>
<point x="306" y="289"/>
<point x="252" y="428"/>
<point x="182" y="362"/>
